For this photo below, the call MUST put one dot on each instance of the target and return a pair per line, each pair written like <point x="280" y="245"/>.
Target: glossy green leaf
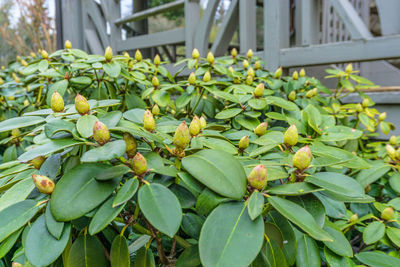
<point x="144" y="258"/>
<point x="368" y="176"/>
<point x="295" y="189"/>
<point x="78" y="192"/>
<point x="219" y="171"/>
<point x="394" y="182"/>
<point x="307" y="252"/>
<point x="313" y="205"/>
<point x="103" y="216"/>
<point x="299" y="216"/>
<point x="59" y="86"/>
<point x="126" y="192"/>
<point x="377" y="259"/>
<point x="394" y="235"/>
<point x="191" y="224"/>
<point x="112" y="68"/>
<point x="87" y="251"/>
<point x="228" y="113"/>
<point x="111" y="150"/>
<point x="274" y="254"/>
<point x="58" y="126"/>
<point x="85" y="125"/>
<point x="335" y="260"/>
<point x="119" y="255"/>
<point x="161" y="208"/>
<point x="340" y="245"/>
<point x="255" y="205"/>
<point x="18" y="192"/>
<point x="9" y="242"/>
<point x="16" y="216"/>
<point x="189" y="258"/>
<point x="225" y="231"/>
<point x="373" y="232"/>
<point x="208" y="200"/>
<point x="54" y="227"/>
<point x="41" y="247"/>
<point x="280" y="102"/>
<point x="19" y="122"/>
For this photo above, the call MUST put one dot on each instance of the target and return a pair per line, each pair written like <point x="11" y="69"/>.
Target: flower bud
<point x="1" y="81"/>
<point x="292" y="96"/>
<point x="148" y="121"/>
<point x="192" y="78"/>
<point x="359" y="108"/>
<point x="68" y="44"/>
<point x="139" y="164"/>
<point x="43" y="184"/>
<point x="44" y="53"/>
<point x="101" y="133"/>
<point x="382" y="116"/>
<point x="278" y="73"/>
<point x="33" y="55"/>
<point x="182" y="136"/>
<point x="354" y="218"/>
<point x="349" y="68"/>
<point x="257" y="65"/>
<point x="391" y="152"/>
<point x="258" y="177"/>
<point x="393" y="140"/>
<point x="302" y="72"/>
<point x="155" y="82"/>
<point x="245" y="64"/>
<point x="259" y="91"/>
<point x="16" y="264"/>
<point x="37" y="162"/>
<point x="108" y="54"/>
<point x="365" y="102"/>
<point x="138" y="55"/>
<point x="195" y="54"/>
<point x="126" y="54"/>
<point x="234" y="52"/>
<point x="131" y="145"/>
<point x="130" y="64"/>
<point x="261" y="129"/>
<point x="250" y="72"/>
<point x="57" y="102"/>
<point x="249" y="54"/>
<point x="302" y="158"/>
<point x="81" y="105"/>
<point x="249" y="80"/>
<point x="210" y="57"/>
<point x="203" y="122"/>
<point x="295" y="75"/>
<point x="244" y="142"/>
<point x="207" y="77"/>
<point x="155" y="110"/>
<point x="291" y="136"/>
<point x="387" y="214"/>
<point x="15" y="132"/>
<point x="312" y="93"/>
<point x="24" y="63"/>
<point x="195" y="126"/>
<point x="157" y="60"/>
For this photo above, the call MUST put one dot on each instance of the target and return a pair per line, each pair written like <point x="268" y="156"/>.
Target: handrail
<point x="150" y="12"/>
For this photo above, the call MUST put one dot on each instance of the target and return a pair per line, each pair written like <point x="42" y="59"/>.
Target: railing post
<point x="141" y="26"/>
<point x="247" y="28"/>
<point x="307" y="22"/>
<point x="71" y="23"/>
<point x="192" y="18"/>
<point x="114" y="14"/>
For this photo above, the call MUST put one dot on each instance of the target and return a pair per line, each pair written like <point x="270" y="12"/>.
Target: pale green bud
<point x="68" y="44"/>
<point x="101" y="133"/>
<point x="195" y="54"/>
<point x="139" y="164"/>
<point x="131" y="145"/>
<point x="257" y="65"/>
<point x="81" y="105"/>
<point x="157" y="60"/>
<point x="182" y="136"/>
<point x="192" y="78"/>
<point x="382" y="116"/>
<point x="393" y="140"/>
<point x="195" y="126"/>
<point x="44" y="53"/>
<point x="234" y="52"/>
<point x="391" y="152"/>
<point x="148" y="121"/>
<point x="302" y="72"/>
<point x="278" y="73"/>
<point x="38" y="161"/>
<point x="258" y="177"/>
<point x="138" y="55"/>
<point x="295" y="75"/>
<point x="249" y="54"/>
<point x="155" y="82"/>
<point x="155" y="110"/>
<point x="57" y="102"/>
<point x="259" y="90"/>
<point x="203" y="122"/>
<point x="207" y="77"/>
<point x="387" y="214"/>
<point x="244" y="142"/>
<point x="292" y="96"/>
<point x="349" y="68"/>
<point x="108" y="54"/>
<point x="245" y="64"/>
<point x="291" y="136"/>
<point x="210" y="57"/>
<point x="302" y="158"/>
<point x="250" y="72"/>
<point x="43" y="184"/>
<point x="261" y="129"/>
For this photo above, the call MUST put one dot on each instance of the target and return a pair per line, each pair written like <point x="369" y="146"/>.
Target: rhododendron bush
<point x="113" y="160"/>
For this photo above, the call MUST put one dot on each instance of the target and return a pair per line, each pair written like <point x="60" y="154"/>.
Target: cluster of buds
<point x="131" y="145"/>
<point x="139" y="164"/>
<point x="259" y="90"/>
<point x="195" y="126"/>
<point x="81" y="105"/>
<point x="302" y="158"/>
<point x="312" y="93"/>
<point x="387" y="214"/>
<point x="148" y="121"/>
<point x="291" y="136"/>
<point x="257" y="178"/>
<point x="101" y="133"/>
<point x="43" y="184"/>
<point x="392" y="152"/>
<point x="261" y="129"/>
<point x="57" y="102"/>
<point x="37" y="162"/>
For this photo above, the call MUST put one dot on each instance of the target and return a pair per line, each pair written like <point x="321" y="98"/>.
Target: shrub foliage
<point x="114" y="160"/>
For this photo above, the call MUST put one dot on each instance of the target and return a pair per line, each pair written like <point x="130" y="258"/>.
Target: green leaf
<point x="274" y="254"/>
<point x="113" y="69"/>
<point x="377" y="259"/>
<point x="111" y="118"/>
<point x="340" y="244"/>
<point x="368" y="176"/>
<point x="119" y="255"/>
<point x="136" y="132"/>
<point x="161" y="207"/>
<point x="189" y="258"/>
<point x="216" y="143"/>
<point x="144" y="258"/>
<point x="335" y="260"/>
<point x="307" y="252"/>
<point x="162" y="98"/>
<point x="85" y="125"/>
<point x="394" y="182"/>
<point x="16" y="216"/>
<point x="48" y="148"/>
<point x="60" y="86"/>
<point x="30" y="69"/>
<point x="103" y="216"/>
<point x="340" y="133"/>
<point x="225" y="231"/>
<point x="295" y="189"/>
<point x="55" y="228"/>
<point x="17" y="192"/>
<point x="258" y="103"/>
<point x="135" y="115"/>
<point x="78" y="192"/>
<point x="373" y="232"/>
<point x="208" y="200"/>
<point x="87" y="251"/>
<point x="337" y="183"/>
<point x="20" y="122"/>
<point x="41" y="248"/>
<point x="219" y="171"/>
<point x="185" y="197"/>
<point x="226" y="96"/>
<point x="299" y="216"/>
<point x="9" y="242"/>
<point x="280" y="102"/>
<point x="313" y="205"/>
<point x="191" y="224"/>
<point x="43" y="65"/>
<point x="126" y="192"/>
<point x="113" y="172"/>
<point x="255" y="205"/>
<point x="81" y="81"/>
<point x="59" y="125"/>
<point x="108" y="151"/>
<point x="228" y="113"/>
<point x="394" y="235"/>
